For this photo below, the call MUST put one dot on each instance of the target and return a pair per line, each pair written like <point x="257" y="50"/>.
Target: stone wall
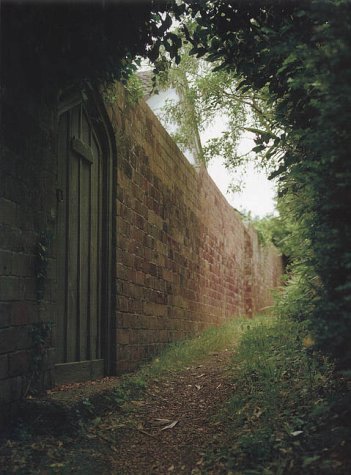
<point x="185" y="260"/>
<point x="27" y="207"/>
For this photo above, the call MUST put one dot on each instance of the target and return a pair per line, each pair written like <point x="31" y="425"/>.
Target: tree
<point x="205" y="95"/>
<point x="46" y="46"/>
<point x="299" y="53"/>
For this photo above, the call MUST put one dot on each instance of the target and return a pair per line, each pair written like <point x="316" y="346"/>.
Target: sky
<point x="257" y="195"/>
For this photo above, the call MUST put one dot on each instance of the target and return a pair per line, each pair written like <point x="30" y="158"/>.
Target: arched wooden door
<point x="82" y="244"/>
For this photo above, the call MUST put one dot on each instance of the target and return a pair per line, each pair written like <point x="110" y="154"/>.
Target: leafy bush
<point x="299" y="53"/>
<point x="282" y="410"/>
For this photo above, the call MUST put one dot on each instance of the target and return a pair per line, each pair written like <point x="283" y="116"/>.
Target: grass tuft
<point x="181" y="354"/>
<point x="282" y="417"/>
<point x="177" y="356"/>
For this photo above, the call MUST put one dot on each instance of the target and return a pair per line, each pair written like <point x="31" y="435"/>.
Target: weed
<point x="179" y="355"/>
<point x="131" y="387"/>
<point x="276" y="420"/>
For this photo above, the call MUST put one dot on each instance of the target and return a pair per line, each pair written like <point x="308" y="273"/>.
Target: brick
<point x="123" y="336"/>
<point x="14" y="338"/>
<point x="11" y="288"/>
<point x="5" y="314"/>
<point x="6" y="262"/>
<point x="5" y="392"/>
<point x="194" y="262"/>
<point x="16" y="388"/>
<point x="23" y="313"/>
<point x="8" y="212"/>
<point x="19" y="362"/>
<point x="4" y="368"/>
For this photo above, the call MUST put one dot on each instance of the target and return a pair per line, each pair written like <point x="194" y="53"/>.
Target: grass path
<point x="184" y="389"/>
<point x="189" y="399"/>
<point x="249" y="398"/>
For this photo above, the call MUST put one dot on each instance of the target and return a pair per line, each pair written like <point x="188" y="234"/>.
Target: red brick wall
<point x="185" y="260"/>
<point x="27" y="201"/>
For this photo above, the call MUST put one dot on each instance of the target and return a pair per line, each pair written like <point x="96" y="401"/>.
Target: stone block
<point x="19" y="362"/>
<point x="14" y="338"/>
<point x="11" y="288"/>
<point x="123" y="336"/>
<point x="6" y="263"/>
<point x="4" y="368"/>
<point x="5" y="314"/>
<point x="23" y="313"/>
<point x="8" y="212"/>
<point x="5" y="392"/>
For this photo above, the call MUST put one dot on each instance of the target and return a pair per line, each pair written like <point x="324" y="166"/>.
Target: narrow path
<point x="167" y="431"/>
<point x="189" y="400"/>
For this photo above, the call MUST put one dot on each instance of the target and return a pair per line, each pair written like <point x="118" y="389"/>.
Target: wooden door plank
<point x="99" y="255"/>
<point x="85" y="137"/>
<point x="84" y="265"/>
<point x="94" y="257"/>
<point x="60" y="321"/>
<point x="73" y="254"/>
<point x="82" y="233"/>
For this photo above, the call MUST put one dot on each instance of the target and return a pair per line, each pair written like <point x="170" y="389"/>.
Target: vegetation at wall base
<point x="290" y="411"/>
<point x="297" y="52"/>
<point x="294" y="54"/>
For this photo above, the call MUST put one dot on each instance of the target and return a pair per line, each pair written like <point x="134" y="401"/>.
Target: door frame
<point x="94" y="105"/>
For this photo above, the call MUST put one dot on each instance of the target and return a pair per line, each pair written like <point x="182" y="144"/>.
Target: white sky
<point x="257" y="195"/>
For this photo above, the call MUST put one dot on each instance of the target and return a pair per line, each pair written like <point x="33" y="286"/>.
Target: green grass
<point x="289" y="411"/>
<point x="283" y="416"/>
<point x="182" y="354"/>
<point x="177" y="356"/>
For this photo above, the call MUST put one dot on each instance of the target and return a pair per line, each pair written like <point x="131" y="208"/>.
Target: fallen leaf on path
<point x="201" y="375"/>
<point x="197" y="386"/>
<point x="160" y="422"/>
<point x="296" y="433"/>
<point x="170" y="426"/>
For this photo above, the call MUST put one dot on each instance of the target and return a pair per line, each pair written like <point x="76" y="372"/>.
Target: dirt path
<point x="189" y="400"/>
<point x="167" y="431"/>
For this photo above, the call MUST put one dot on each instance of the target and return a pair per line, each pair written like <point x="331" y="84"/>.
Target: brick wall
<point x="27" y="201"/>
<point x="185" y="260"/>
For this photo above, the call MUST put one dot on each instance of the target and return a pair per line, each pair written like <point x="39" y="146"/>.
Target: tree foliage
<point x="295" y="53"/>
<point x="50" y="45"/>
<point x="299" y="53"/>
<point x="206" y="96"/>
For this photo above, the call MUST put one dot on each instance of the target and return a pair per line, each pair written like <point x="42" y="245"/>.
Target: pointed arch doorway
<point x="84" y="242"/>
